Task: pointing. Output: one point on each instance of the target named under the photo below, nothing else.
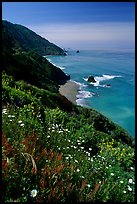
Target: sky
(77, 25)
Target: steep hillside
(25, 39)
(23, 64)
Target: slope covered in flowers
(52, 153)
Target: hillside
(20, 61)
(53, 150)
(25, 39)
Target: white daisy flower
(129, 188)
(33, 193)
(130, 181)
(124, 191)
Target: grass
(61, 156)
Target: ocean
(113, 94)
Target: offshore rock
(91, 79)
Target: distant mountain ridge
(27, 40)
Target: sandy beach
(69, 90)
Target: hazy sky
(77, 25)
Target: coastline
(70, 90)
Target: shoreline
(70, 91)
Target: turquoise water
(116, 69)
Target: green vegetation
(61, 154)
(27, 40)
(53, 150)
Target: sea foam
(55, 64)
(104, 77)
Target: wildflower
(121, 182)
(76, 161)
(82, 147)
(67, 157)
(129, 188)
(82, 177)
(78, 140)
(90, 149)
(88, 185)
(89, 154)
(112, 174)
(68, 140)
(75, 147)
(130, 181)
(131, 168)
(5, 112)
(99, 181)
(20, 121)
(11, 120)
(124, 191)
(56, 126)
(60, 131)
(79, 143)
(48, 136)
(67, 147)
(78, 170)
(91, 160)
(33, 193)
(22, 124)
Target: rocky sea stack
(91, 79)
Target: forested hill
(21, 57)
(26, 40)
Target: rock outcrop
(91, 79)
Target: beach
(70, 90)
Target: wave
(55, 64)
(84, 94)
(80, 84)
(104, 77)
